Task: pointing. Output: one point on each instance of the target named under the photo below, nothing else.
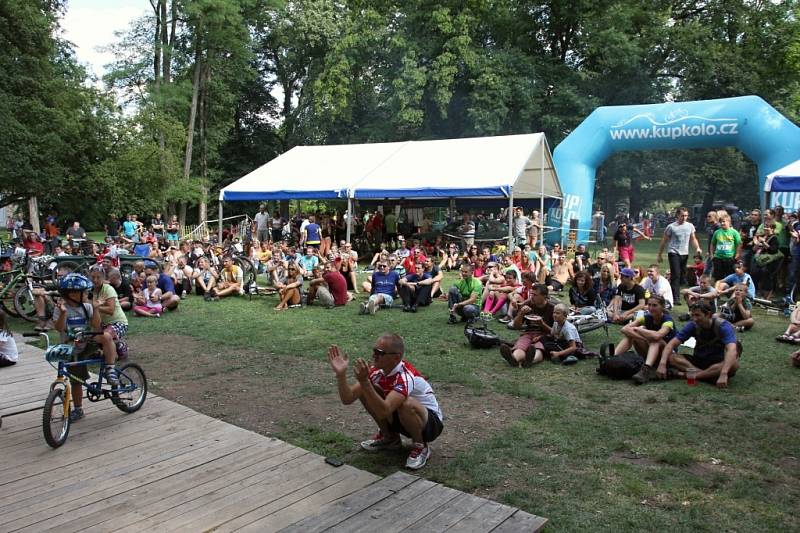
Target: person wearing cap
(628, 299)
(169, 300)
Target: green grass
(590, 454)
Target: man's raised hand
(338, 360)
(361, 371)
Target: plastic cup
(691, 377)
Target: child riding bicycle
(72, 315)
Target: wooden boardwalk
(169, 468)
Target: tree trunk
(187, 160)
(33, 213)
(202, 209)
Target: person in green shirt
(390, 221)
(464, 297)
(726, 247)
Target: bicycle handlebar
(32, 334)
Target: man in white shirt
(657, 284)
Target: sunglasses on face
(377, 352)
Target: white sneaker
(378, 442)
(363, 310)
(372, 307)
(418, 456)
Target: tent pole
(349, 217)
(220, 222)
(510, 219)
(541, 200)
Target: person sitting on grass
(318, 289)
(529, 348)
(560, 275)
(703, 292)
(647, 335)
(498, 295)
(123, 288)
(518, 297)
(413, 290)
(169, 299)
(655, 283)
(382, 288)
(436, 276)
(725, 286)
(204, 278)
(309, 261)
(290, 288)
(564, 339)
(464, 297)
(148, 303)
(792, 333)
(628, 299)
(737, 310)
(716, 353)
(582, 296)
(230, 280)
(395, 395)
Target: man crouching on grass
(395, 395)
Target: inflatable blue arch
(748, 123)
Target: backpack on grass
(622, 366)
(480, 336)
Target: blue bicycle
(128, 393)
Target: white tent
(509, 166)
(782, 187)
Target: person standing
(467, 231)
(521, 226)
(725, 248)
(261, 223)
(676, 239)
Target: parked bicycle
(128, 394)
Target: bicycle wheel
(589, 325)
(133, 385)
(7, 303)
(23, 304)
(65, 267)
(55, 418)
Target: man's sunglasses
(377, 352)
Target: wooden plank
(246, 498)
(109, 420)
(75, 475)
(521, 521)
(102, 507)
(114, 439)
(146, 513)
(291, 508)
(121, 480)
(445, 517)
(340, 511)
(485, 518)
(373, 517)
(403, 517)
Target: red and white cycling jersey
(406, 380)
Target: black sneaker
(413, 308)
(453, 319)
(406, 309)
(75, 414)
(506, 352)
